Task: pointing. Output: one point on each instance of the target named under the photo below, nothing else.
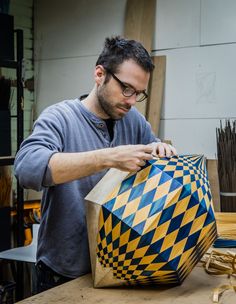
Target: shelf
(6, 160)
(9, 160)
(32, 204)
(9, 64)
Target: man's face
(110, 97)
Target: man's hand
(162, 149)
(66, 167)
(130, 157)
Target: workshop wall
(197, 36)
(69, 35)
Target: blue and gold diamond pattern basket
(155, 225)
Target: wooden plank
(197, 288)
(156, 92)
(214, 182)
(139, 21)
(226, 224)
(139, 25)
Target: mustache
(125, 106)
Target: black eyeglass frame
(125, 87)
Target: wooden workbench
(196, 289)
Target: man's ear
(99, 74)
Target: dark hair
(117, 50)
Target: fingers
(173, 150)
(167, 150)
(133, 157)
(130, 157)
(147, 149)
(140, 164)
(144, 155)
(163, 150)
(142, 152)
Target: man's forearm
(66, 167)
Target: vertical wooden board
(156, 92)
(139, 25)
(140, 20)
(214, 182)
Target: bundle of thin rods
(226, 153)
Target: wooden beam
(139, 21)
(139, 25)
(214, 182)
(156, 92)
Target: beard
(111, 107)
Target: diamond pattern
(156, 225)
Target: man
(72, 146)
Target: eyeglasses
(128, 91)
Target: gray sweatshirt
(69, 127)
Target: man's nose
(131, 100)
